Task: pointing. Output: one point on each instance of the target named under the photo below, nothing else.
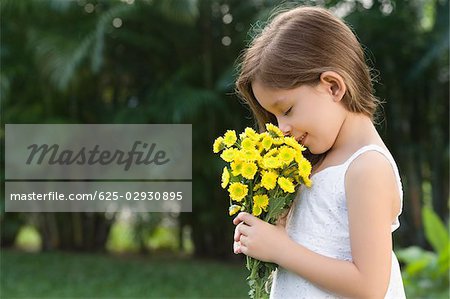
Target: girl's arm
(371, 195)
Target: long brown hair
(293, 49)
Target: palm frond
(433, 53)
(185, 11)
(59, 56)
(103, 23)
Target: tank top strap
(387, 154)
(371, 147)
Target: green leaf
(444, 261)
(276, 207)
(435, 231)
(413, 254)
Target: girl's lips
(302, 138)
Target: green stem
(259, 275)
(250, 199)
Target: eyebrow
(274, 105)
(278, 102)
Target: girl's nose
(285, 128)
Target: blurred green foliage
(90, 61)
(426, 274)
(28, 239)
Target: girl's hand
(259, 239)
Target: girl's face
(313, 115)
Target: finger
(240, 218)
(241, 229)
(244, 217)
(237, 220)
(237, 247)
(237, 233)
(243, 249)
(243, 240)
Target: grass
(78, 275)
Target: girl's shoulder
(372, 174)
(370, 158)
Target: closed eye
(287, 112)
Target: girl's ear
(334, 84)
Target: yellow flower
(225, 177)
(278, 140)
(273, 130)
(249, 132)
(272, 152)
(295, 178)
(249, 154)
(261, 163)
(286, 185)
(218, 145)
(237, 191)
(272, 162)
(266, 143)
(263, 135)
(286, 154)
(304, 168)
(256, 211)
(236, 167)
(269, 180)
(259, 147)
(292, 173)
(260, 202)
(248, 170)
(294, 144)
(233, 209)
(256, 187)
(229, 138)
(307, 181)
(229, 154)
(248, 144)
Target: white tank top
(319, 221)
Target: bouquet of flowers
(263, 173)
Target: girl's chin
(315, 150)
(312, 151)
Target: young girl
(306, 73)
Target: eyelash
(287, 112)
